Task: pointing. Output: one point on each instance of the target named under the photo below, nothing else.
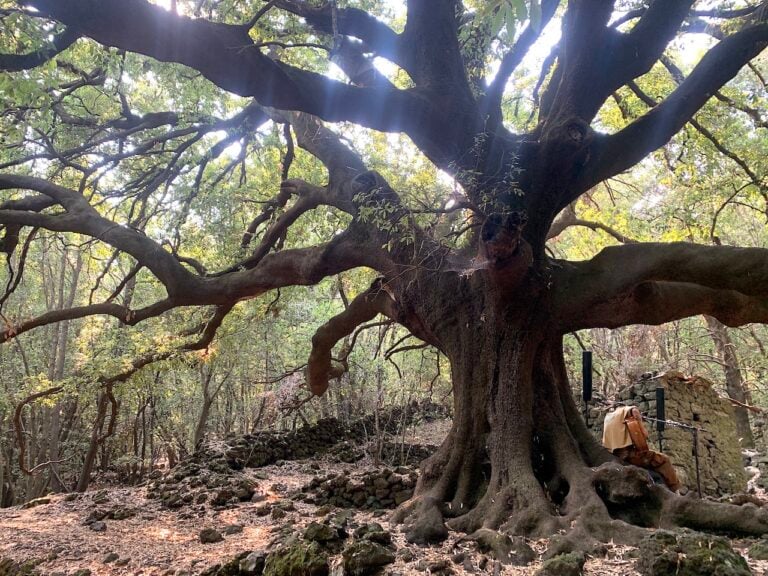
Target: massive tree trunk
(518, 456)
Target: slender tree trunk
(734, 381)
(93, 446)
(205, 410)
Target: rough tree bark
(518, 455)
(734, 381)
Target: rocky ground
(306, 517)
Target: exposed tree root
(611, 503)
(560, 483)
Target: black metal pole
(696, 459)
(586, 382)
(660, 416)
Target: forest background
(92, 394)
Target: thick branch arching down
(363, 308)
(653, 283)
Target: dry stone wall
(212, 475)
(758, 458)
(694, 402)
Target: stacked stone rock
(366, 490)
(264, 448)
(192, 484)
(759, 456)
(405, 454)
(207, 477)
(694, 402)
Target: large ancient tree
(494, 303)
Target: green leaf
(520, 9)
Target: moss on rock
(689, 553)
(297, 559)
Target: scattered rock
(120, 513)
(210, 536)
(406, 554)
(375, 533)
(759, 550)
(111, 557)
(570, 564)
(687, 553)
(229, 568)
(94, 515)
(37, 502)
(9, 567)
(440, 567)
(231, 529)
(98, 526)
(365, 557)
(100, 497)
(297, 559)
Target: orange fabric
(626, 437)
(651, 460)
(637, 432)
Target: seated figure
(625, 436)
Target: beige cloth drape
(615, 432)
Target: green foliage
(504, 16)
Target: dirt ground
(156, 541)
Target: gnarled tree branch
(59, 43)
(226, 55)
(365, 307)
(612, 154)
(670, 281)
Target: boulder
(570, 564)
(688, 553)
(365, 557)
(297, 558)
(316, 532)
(210, 536)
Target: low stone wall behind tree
(759, 458)
(690, 401)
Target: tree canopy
(198, 154)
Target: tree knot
(501, 234)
